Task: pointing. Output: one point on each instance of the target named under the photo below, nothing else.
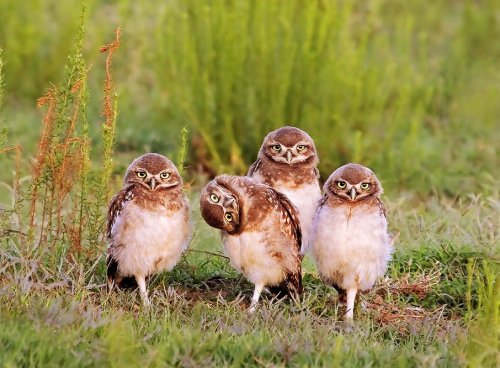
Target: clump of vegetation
(379, 83)
(369, 83)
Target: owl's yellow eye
(365, 186)
(228, 217)
(164, 175)
(301, 147)
(214, 197)
(276, 147)
(141, 174)
(341, 184)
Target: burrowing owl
(350, 242)
(148, 223)
(287, 161)
(260, 232)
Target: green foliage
(37, 36)
(63, 154)
(483, 347)
(382, 83)
(181, 157)
(63, 315)
(3, 124)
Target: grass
(359, 77)
(408, 88)
(427, 311)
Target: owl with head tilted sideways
(148, 223)
(350, 243)
(260, 232)
(287, 161)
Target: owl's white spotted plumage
(148, 223)
(350, 243)
(260, 231)
(287, 162)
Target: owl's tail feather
(128, 282)
(291, 286)
(114, 278)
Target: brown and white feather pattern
(116, 206)
(350, 244)
(265, 245)
(146, 233)
(148, 223)
(298, 178)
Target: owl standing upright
(350, 243)
(148, 223)
(260, 232)
(287, 162)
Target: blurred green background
(409, 88)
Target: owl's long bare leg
(351, 296)
(256, 297)
(141, 281)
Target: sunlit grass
(60, 313)
(409, 89)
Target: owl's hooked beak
(353, 193)
(289, 156)
(152, 183)
(228, 202)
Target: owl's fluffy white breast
(147, 241)
(248, 254)
(306, 198)
(351, 246)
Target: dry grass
(387, 309)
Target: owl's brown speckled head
(289, 146)
(153, 171)
(352, 183)
(220, 207)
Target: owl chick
(260, 232)
(287, 162)
(148, 223)
(350, 243)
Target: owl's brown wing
(114, 278)
(322, 201)
(383, 211)
(116, 206)
(317, 174)
(292, 284)
(290, 211)
(381, 207)
(254, 167)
